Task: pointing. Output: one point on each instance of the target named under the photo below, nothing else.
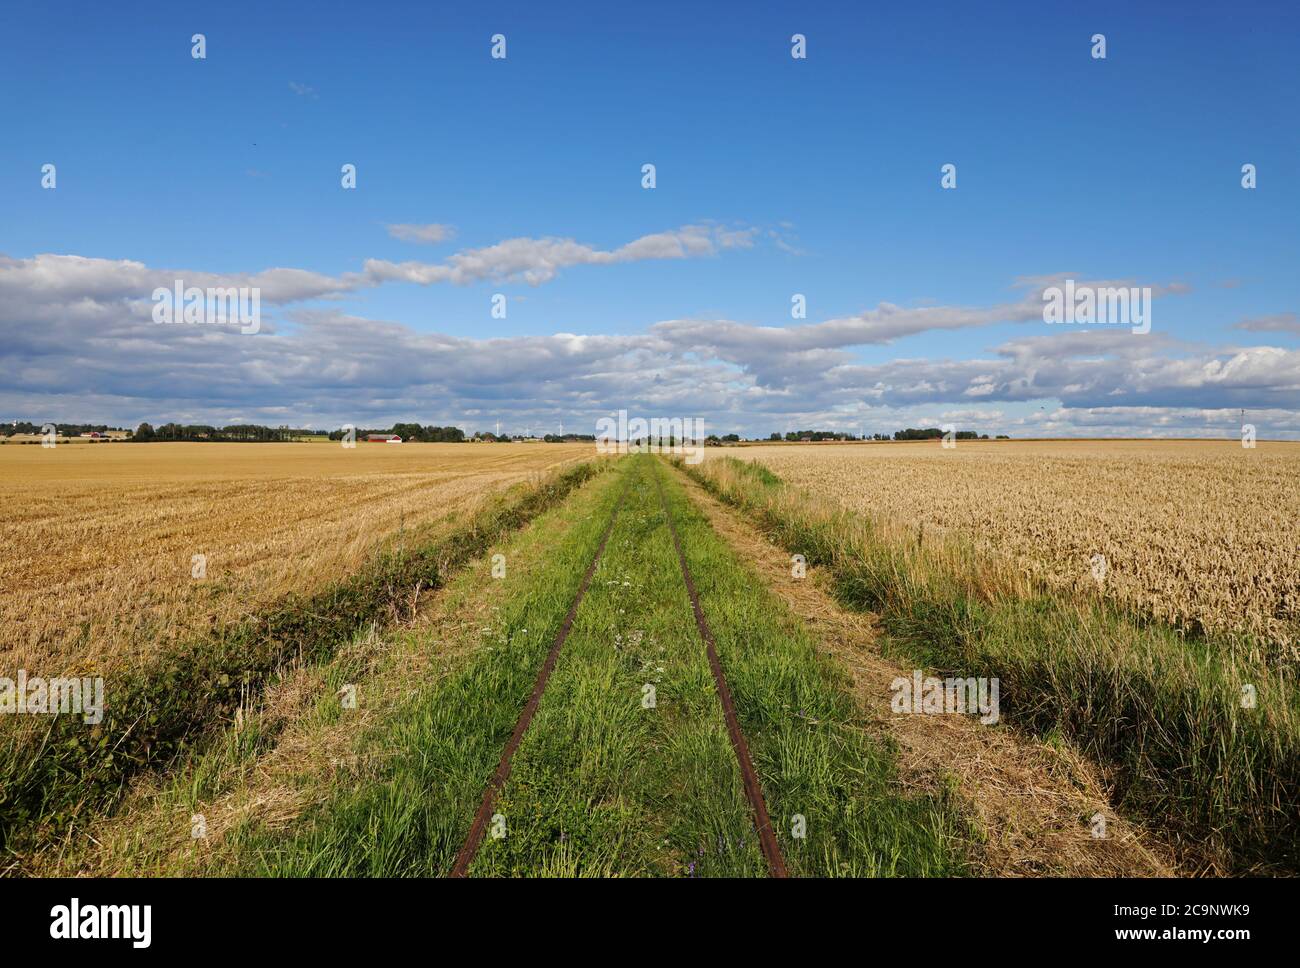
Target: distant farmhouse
(383, 439)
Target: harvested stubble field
(1204, 535)
(97, 543)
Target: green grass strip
(613, 779)
(441, 746)
(604, 783)
(816, 757)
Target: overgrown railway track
(753, 789)
(465, 857)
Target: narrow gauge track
(465, 857)
(753, 790)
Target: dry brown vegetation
(1202, 534)
(269, 785)
(1201, 738)
(1032, 800)
(96, 545)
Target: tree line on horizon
(911, 433)
(410, 431)
(63, 429)
(256, 433)
(233, 433)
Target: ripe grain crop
(1204, 535)
(97, 544)
(1201, 737)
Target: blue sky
(818, 176)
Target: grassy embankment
(1164, 710)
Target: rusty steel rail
(753, 790)
(468, 850)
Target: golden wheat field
(97, 543)
(1202, 534)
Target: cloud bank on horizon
(81, 333)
